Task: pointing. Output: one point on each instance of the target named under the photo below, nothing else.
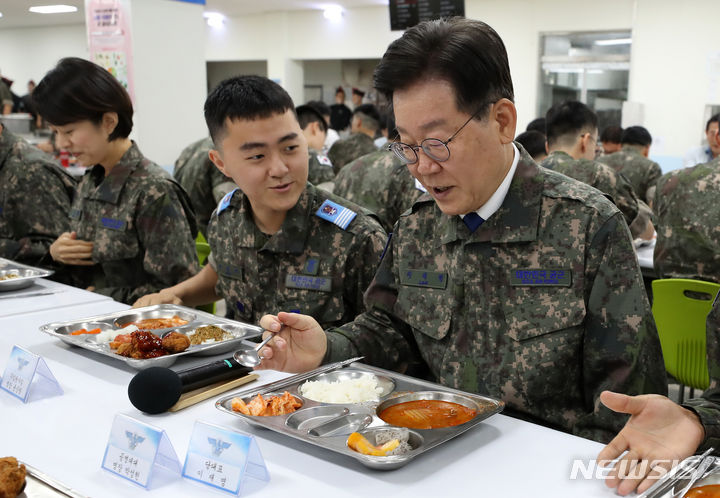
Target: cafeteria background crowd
(417, 227)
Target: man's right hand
(299, 344)
(162, 297)
(69, 250)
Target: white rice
(364, 388)
(108, 336)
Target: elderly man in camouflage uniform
(687, 205)
(280, 242)
(508, 279)
(35, 197)
(632, 161)
(380, 182)
(364, 125)
(203, 182)
(572, 139)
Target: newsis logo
(632, 469)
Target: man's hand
(165, 296)
(68, 250)
(659, 432)
(299, 344)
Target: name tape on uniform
(424, 278)
(541, 277)
(308, 282)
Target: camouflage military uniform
(642, 172)
(380, 182)
(687, 204)
(542, 306)
(320, 169)
(5, 96)
(310, 266)
(35, 197)
(203, 182)
(348, 149)
(607, 181)
(142, 226)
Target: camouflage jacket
(348, 149)
(687, 204)
(642, 172)
(543, 306)
(380, 182)
(607, 181)
(203, 182)
(142, 225)
(310, 266)
(320, 169)
(35, 197)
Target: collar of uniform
(111, 187)
(294, 230)
(7, 142)
(516, 220)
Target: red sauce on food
(709, 491)
(427, 414)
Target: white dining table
(65, 436)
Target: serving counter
(65, 435)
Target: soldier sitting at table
(277, 241)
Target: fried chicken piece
(12, 477)
(238, 405)
(175, 342)
(270, 407)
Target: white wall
(29, 53)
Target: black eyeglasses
(434, 148)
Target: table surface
(65, 436)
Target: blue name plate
(541, 277)
(21, 370)
(134, 449)
(223, 459)
(308, 282)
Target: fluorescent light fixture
(52, 9)
(214, 19)
(614, 41)
(0, 14)
(565, 70)
(333, 13)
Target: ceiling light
(52, 9)
(0, 14)
(614, 41)
(333, 13)
(214, 19)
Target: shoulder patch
(325, 160)
(335, 213)
(419, 186)
(225, 201)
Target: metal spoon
(251, 357)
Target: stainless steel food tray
(677, 478)
(113, 321)
(26, 275)
(328, 424)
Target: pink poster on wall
(110, 40)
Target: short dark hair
(467, 53)
(78, 90)
(715, 118)
(636, 135)
(369, 116)
(533, 141)
(568, 118)
(611, 135)
(357, 91)
(537, 124)
(245, 98)
(320, 107)
(307, 114)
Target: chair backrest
(680, 307)
(203, 251)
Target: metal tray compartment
(328, 424)
(26, 275)
(196, 318)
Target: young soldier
(277, 242)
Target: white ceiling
(15, 12)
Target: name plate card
(26, 371)
(135, 449)
(223, 458)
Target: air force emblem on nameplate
(335, 213)
(225, 201)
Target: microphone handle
(210, 373)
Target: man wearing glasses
(507, 279)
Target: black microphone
(157, 389)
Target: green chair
(203, 251)
(680, 307)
